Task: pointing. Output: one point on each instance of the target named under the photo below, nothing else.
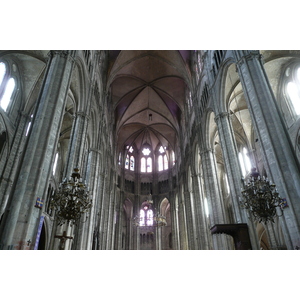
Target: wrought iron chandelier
(71, 200)
(157, 221)
(261, 197)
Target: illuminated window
(242, 164)
(146, 216)
(293, 89)
(244, 161)
(127, 162)
(7, 87)
(131, 163)
(146, 163)
(162, 160)
(130, 149)
(166, 165)
(146, 151)
(160, 163)
(149, 219)
(142, 217)
(149, 165)
(161, 150)
(2, 71)
(143, 164)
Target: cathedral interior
(150, 150)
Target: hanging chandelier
(158, 221)
(261, 197)
(149, 220)
(71, 200)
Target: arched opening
(42, 241)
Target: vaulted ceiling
(148, 91)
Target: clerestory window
(7, 86)
(130, 160)
(163, 163)
(244, 161)
(293, 88)
(146, 160)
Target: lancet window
(293, 88)
(146, 216)
(146, 160)
(163, 163)
(7, 87)
(244, 161)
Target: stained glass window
(246, 160)
(294, 96)
(149, 165)
(160, 163)
(131, 163)
(166, 166)
(143, 164)
(10, 86)
(242, 164)
(146, 216)
(2, 71)
(127, 162)
(161, 149)
(142, 217)
(173, 158)
(146, 151)
(130, 149)
(150, 217)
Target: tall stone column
(77, 143)
(10, 167)
(102, 183)
(278, 155)
(174, 221)
(119, 219)
(233, 171)
(190, 219)
(182, 226)
(21, 221)
(74, 159)
(202, 226)
(213, 195)
(105, 211)
(111, 215)
(136, 230)
(89, 226)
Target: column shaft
(278, 155)
(33, 175)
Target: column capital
(94, 150)
(26, 115)
(206, 150)
(63, 53)
(222, 115)
(82, 114)
(242, 56)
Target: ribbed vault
(148, 91)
